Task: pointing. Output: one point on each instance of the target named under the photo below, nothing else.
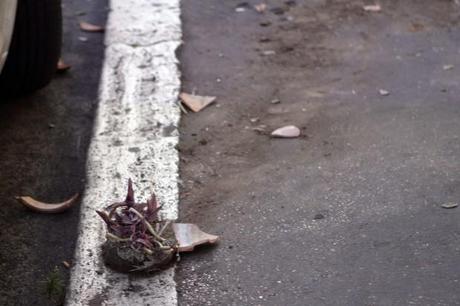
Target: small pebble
(264, 39)
(268, 52)
(277, 10)
(66, 264)
(319, 217)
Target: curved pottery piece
(189, 236)
(289, 131)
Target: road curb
(135, 136)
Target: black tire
(35, 47)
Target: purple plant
(136, 224)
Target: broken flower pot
(122, 257)
(139, 241)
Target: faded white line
(135, 136)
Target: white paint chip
(135, 136)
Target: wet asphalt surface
(350, 213)
(44, 140)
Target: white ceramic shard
(289, 131)
(189, 236)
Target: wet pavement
(350, 213)
(44, 140)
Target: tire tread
(35, 47)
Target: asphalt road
(350, 213)
(44, 140)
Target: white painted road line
(135, 137)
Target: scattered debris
(261, 7)
(243, 4)
(289, 131)
(278, 110)
(66, 264)
(241, 7)
(260, 129)
(265, 23)
(83, 38)
(254, 120)
(89, 27)
(275, 101)
(416, 27)
(449, 205)
(265, 39)
(318, 217)
(288, 18)
(189, 236)
(196, 103)
(46, 208)
(372, 8)
(448, 67)
(268, 52)
(51, 125)
(182, 108)
(62, 66)
(319, 94)
(384, 92)
(277, 10)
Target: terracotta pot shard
(189, 236)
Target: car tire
(35, 47)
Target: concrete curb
(135, 137)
